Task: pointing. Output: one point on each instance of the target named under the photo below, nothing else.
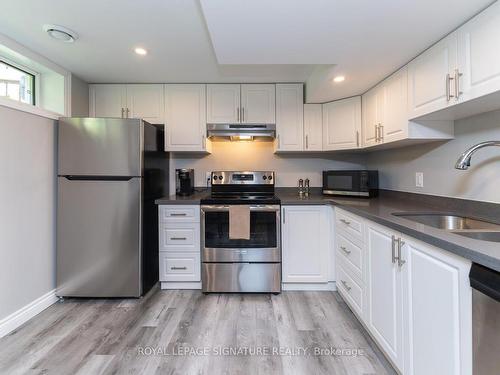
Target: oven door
(264, 242)
(345, 183)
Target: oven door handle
(255, 208)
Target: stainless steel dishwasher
(485, 319)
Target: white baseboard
(21, 316)
(329, 286)
(180, 285)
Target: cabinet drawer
(180, 214)
(180, 237)
(179, 266)
(350, 253)
(349, 224)
(349, 289)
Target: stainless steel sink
(483, 236)
(448, 221)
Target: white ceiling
(252, 41)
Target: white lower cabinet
(179, 256)
(414, 299)
(384, 316)
(306, 246)
(437, 302)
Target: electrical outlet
(419, 179)
(208, 179)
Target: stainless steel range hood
(241, 132)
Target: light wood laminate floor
(186, 332)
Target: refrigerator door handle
(98, 178)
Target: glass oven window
(262, 231)
(340, 182)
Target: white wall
(27, 214)
(436, 160)
(79, 97)
(259, 156)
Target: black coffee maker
(184, 181)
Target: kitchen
(299, 205)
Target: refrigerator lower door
(99, 238)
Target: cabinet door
(373, 111)
(479, 55)
(258, 104)
(185, 128)
(146, 102)
(306, 244)
(289, 117)
(384, 286)
(342, 124)
(395, 122)
(427, 82)
(313, 127)
(438, 311)
(223, 104)
(107, 100)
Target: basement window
(17, 83)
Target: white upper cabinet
(313, 127)
(258, 104)
(146, 102)
(342, 124)
(128, 101)
(373, 115)
(438, 311)
(431, 76)
(384, 286)
(289, 117)
(185, 111)
(107, 100)
(223, 104)
(395, 122)
(479, 54)
(306, 243)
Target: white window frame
(29, 71)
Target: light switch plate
(208, 179)
(419, 179)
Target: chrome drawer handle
(343, 248)
(346, 285)
(346, 222)
(178, 268)
(173, 214)
(178, 238)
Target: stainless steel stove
(239, 265)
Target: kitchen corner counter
(381, 209)
(190, 199)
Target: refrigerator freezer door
(99, 238)
(99, 147)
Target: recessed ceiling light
(60, 33)
(339, 79)
(141, 51)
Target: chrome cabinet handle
(284, 216)
(393, 248)
(123, 112)
(128, 111)
(242, 114)
(346, 222)
(357, 138)
(400, 245)
(181, 214)
(178, 238)
(344, 249)
(238, 113)
(346, 285)
(178, 268)
(307, 142)
(448, 91)
(381, 132)
(376, 133)
(279, 141)
(457, 84)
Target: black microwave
(361, 183)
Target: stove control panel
(243, 178)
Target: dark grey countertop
(381, 209)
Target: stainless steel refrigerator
(110, 171)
